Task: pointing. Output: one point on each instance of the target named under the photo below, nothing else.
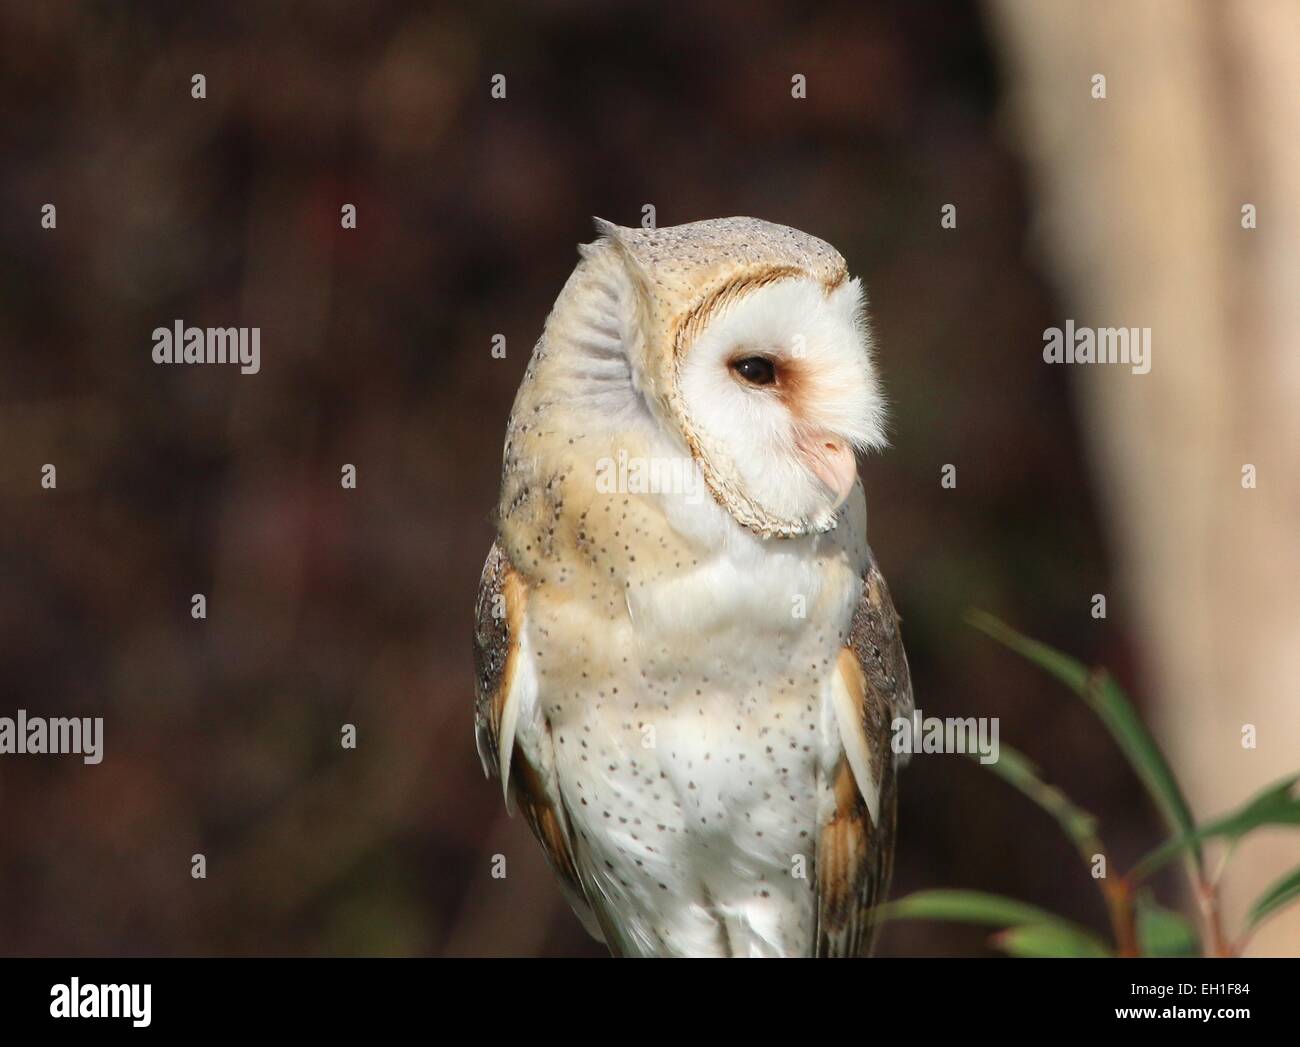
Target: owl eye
(756, 370)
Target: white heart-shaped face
(779, 391)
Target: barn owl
(687, 661)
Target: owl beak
(832, 462)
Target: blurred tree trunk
(1141, 200)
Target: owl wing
(514, 739)
(855, 845)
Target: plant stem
(1123, 918)
(1207, 895)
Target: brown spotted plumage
(498, 627)
(855, 853)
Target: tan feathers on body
(686, 685)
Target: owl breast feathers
(687, 660)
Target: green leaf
(1274, 806)
(1014, 767)
(997, 911)
(1276, 898)
(1054, 940)
(1108, 701)
(963, 907)
(1163, 932)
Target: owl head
(749, 342)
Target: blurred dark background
(328, 606)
